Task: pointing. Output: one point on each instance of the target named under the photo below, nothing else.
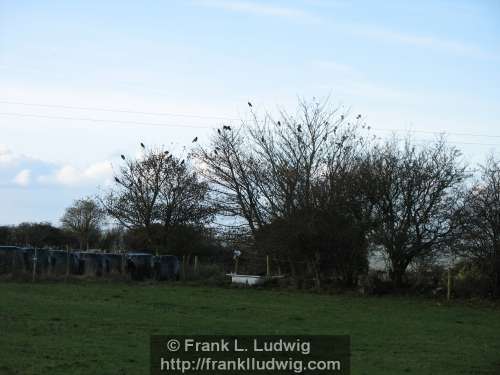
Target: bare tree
(414, 193)
(279, 172)
(480, 223)
(83, 218)
(266, 168)
(157, 189)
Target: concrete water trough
(113, 264)
(139, 265)
(10, 258)
(166, 267)
(62, 262)
(89, 263)
(250, 280)
(35, 258)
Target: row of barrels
(19, 261)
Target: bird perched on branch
(279, 123)
(166, 152)
(182, 162)
(195, 139)
(142, 145)
(218, 131)
(358, 117)
(299, 128)
(226, 127)
(250, 104)
(117, 180)
(123, 157)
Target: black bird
(279, 123)
(117, 180)
(182, 162)
(218, 131)
(226, 127)
(123, 157)
(142, 145)
(263, 140)
(215, 152)
(358, 117)
(250, 104)
(195, 139)
(166, 152)
(299, 129)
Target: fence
(42, 263)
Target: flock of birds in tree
(227, 127)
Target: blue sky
(425, 66)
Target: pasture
(104, 328)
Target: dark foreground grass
(98, 328)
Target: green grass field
(104, 328)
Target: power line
(157, 124)
(189, 115)
(452, 142)
(121, 111)
(437, 132)
(104, 121)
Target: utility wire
(436, 132)
(104, 121)
(189, 115)
(158, 124)
(121, 111)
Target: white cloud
(6, 156)
(69, 175)
(261, 9)
(23, 178)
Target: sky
(82, 82)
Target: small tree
(84, 219)
(480, 224)
(156, 191)
(414, 195)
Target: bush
(376, 283)
(471, 282)
(207, 274)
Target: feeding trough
(250, 279)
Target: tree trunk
(397, 273)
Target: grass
(104, 328)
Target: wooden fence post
(448, 289)
(183, 267)
(14, 265)
(35, 260)
(67, 263)
(268, 266)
